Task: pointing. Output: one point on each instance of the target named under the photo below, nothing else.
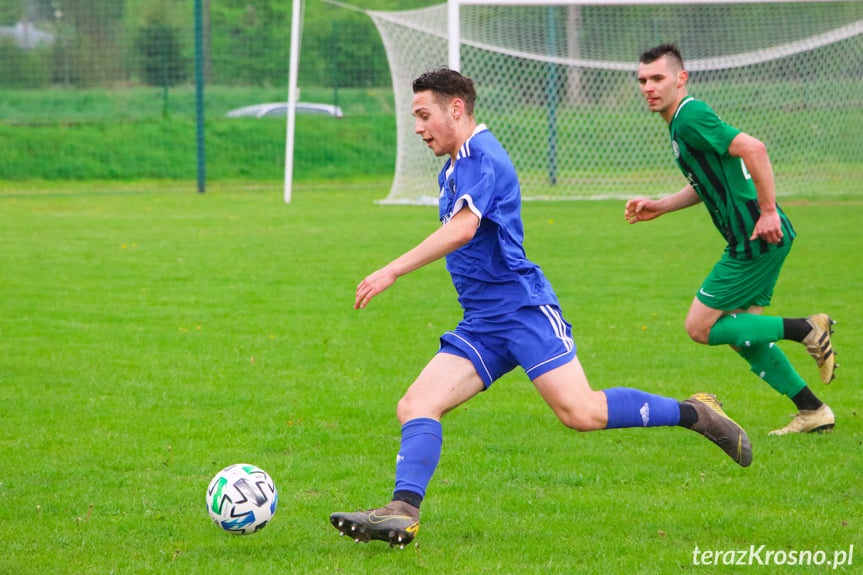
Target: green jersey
(700, 140)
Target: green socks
(746, 329)
(754, 336)
(770, 364)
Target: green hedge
(235, 148)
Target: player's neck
(668, 113)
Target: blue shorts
(536, 338)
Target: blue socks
(629, 407)
(422, 438)
(418, 457)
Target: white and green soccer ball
(242, 499)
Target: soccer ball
(241, 499)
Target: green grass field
(150, 336)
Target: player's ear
(682, 77)
(456, 108)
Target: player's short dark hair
(657, 52)
(447, 84)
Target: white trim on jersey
(683, 102)
(466, 199)
(464, 151)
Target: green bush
(159, 48)
(24, 68)
(240, 148)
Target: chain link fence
(105, 89)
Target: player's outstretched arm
(753, 152)
(451, 236)
(644, 209)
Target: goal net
(557, 85)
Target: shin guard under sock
(629, 407)
(746, 329)
(419, 454)
(770, 364)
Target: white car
(281, 108)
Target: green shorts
(740, 284)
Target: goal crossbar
(731, 61)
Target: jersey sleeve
(475, 181)
(701, 128)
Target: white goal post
(556, 84)
(291, 114)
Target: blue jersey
(491, 274)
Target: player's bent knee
(580, 420)
(403, 410)
(698, 333)
(410, 408)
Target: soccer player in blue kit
(511, 317)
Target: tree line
(88, 43)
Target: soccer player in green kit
(730, 172)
